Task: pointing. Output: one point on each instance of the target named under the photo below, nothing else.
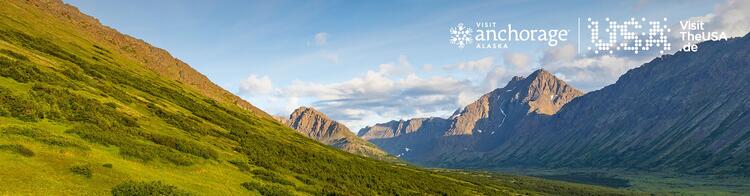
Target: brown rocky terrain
(316, 125)
(539, 93)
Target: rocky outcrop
(316, 125)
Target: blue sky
(364, 62)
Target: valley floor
(642, 181)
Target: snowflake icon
(461, 35)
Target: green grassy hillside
(82, 116)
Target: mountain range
(479, 127)
(686, 112)
(86, 110)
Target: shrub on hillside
(181, 145)
(42, 136)
(18, 149)
(24, 71)
(82, 170)
(129, 145)
(132, 188)
(15, 55)
(305, 180)
(270, 176)
(241, 165)
(20, 105)
(267, 189)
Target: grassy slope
(70, 105)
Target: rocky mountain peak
(513, 81)
(478, 127)
(540, 93)
(316, 125)
(306, 111)
(541, 72)
(545, 93)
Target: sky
(367, 62)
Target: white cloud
(391, 91)
(732, 17)
(427, 67)
(563, 53)
(291, 104)
(363, 100)
(497, 77)
(588, 73)
(403, 67)
(321, 38)
(480, 65)
(596, 71)
(395, 91)
(500, 75)
(255, 85)
(517, 59)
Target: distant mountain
(478, 127)
(688, 112)
(406, 139)
(316, 125)
(541, 93)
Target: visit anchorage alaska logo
(488, 35)
(460, 35)
(634, 35)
